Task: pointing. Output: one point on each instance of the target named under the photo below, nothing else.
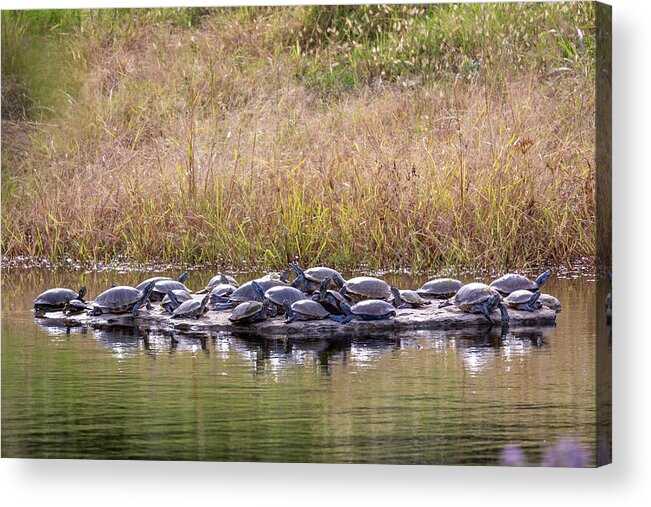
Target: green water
(424, 397)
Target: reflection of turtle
(440, 288)
(369, 309)
(191, 309)
(53, 300)
(249, 311)
(121, 299)
(524, 300)
(310, 280)
(304, 309)
(478, 298)
(512, 282)
(365, 287)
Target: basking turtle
(162, 287)
(121, 299)
(369, 309)
(309, 281)
(365, 287)
(277, 295)
(173, 299)
(75, 306)
(182, 279)
(220, 293)
(306, 309)
(512, 282)
(249, 311)
(330, 299)
(246, 292)
(409, 299)
(478, 298)
(550, 302)
(440, 288)
(524, 300)
(53, 300)
(220, 279)
(191, 309)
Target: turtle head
(82, 293)
(173, 298)
(148, 288)
(284, 275)
(323, 288)
(397, 300)
(338, 280)
(534, 298)
(346, 308)
(543, 278)
(294, 265)
(184, 276)
(259, 290)
(204, 303)
(222, 279)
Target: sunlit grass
(249, 137)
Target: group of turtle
(315, 293)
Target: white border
(626, 482)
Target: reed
(253, 136)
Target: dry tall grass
(210, 144)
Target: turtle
(249, 311)
(162, 287)
(478, 297)
(440, 288)
(74, 306)
(220, 279)
(277, 295)
(409, 299)
(369, 309)
(309, 281)
(173, 299)
(191, 309)
(184, 276)
(365, 287)
(246, 292)
(220, 293)
(550, 302)
(306, 309)
(524, 300)
(330, 299)
(53, 300)
(121, 299)
(513, 281)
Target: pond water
(418, 397)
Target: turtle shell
(279, 294)
(310, 309)
(55, 297)
(191, 308)
(440, 287)
(223, 290)
(217, 280)
(117, 299)
(162, 286)
(181, 295)
(472, 294)
(247, 310)
(413, 298)
(512, 282)
(368, 287)
(143, 284)
(319, 273)
(550, 302)
(247, 292)
(374, 308)
(520, 297)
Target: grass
(388, 137)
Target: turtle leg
(484, 310)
